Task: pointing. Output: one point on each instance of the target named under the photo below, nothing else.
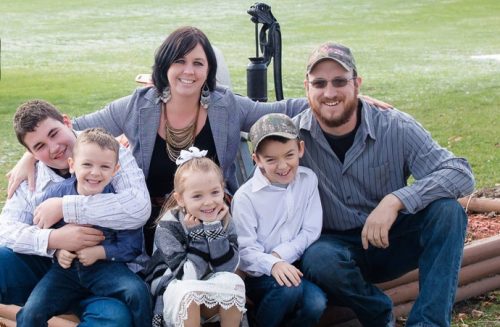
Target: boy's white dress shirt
(271, 218)
(128, 208)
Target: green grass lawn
(415, 55)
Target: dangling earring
(165, 95)
(205, 96)
(183, 210)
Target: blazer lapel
(219, 124)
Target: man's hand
(286, 274)
(48, 212)
(72, 237)
(379, 222)
(24, 169)
(376, 102)
(65, 258)
(91, 254)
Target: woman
(183, 108)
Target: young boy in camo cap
(278, 214)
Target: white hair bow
(191, 153)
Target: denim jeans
(300, 306)
(431, 240)
(19, 273)
(60, 288)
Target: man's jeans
(19, 273)
(431, 240)
(299, 306)
(60, 287)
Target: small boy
(96, 270)
(278, 214)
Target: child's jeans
(298, 306)
(19, 274)
(60, 288)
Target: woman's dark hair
(177, 45)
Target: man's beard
(349, 113)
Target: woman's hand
(24, 169)
(376, 102)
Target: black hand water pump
(269, 39)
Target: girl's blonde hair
(204, 165)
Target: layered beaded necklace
(178, 139)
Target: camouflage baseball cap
(333, 51)
(272, 124)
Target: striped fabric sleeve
(17, 231)
(437, 172)
(129, 208)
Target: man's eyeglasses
(320, 83)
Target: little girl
(195, 250)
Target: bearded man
(376, 226)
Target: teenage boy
(376, 226)
(26, 246)
(278, 214)
(95, 270)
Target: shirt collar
(259, 181)
(366, 125)
(45, 176)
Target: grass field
(415, 55)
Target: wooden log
(7, 323)
(463, 292)
(479, 270)
(468, 274)
(481, 249)
(480, 204)
(403, 293)
(478, 250)
(8, 312)
(405, 279)
(477, 288)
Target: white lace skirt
(223, 288)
